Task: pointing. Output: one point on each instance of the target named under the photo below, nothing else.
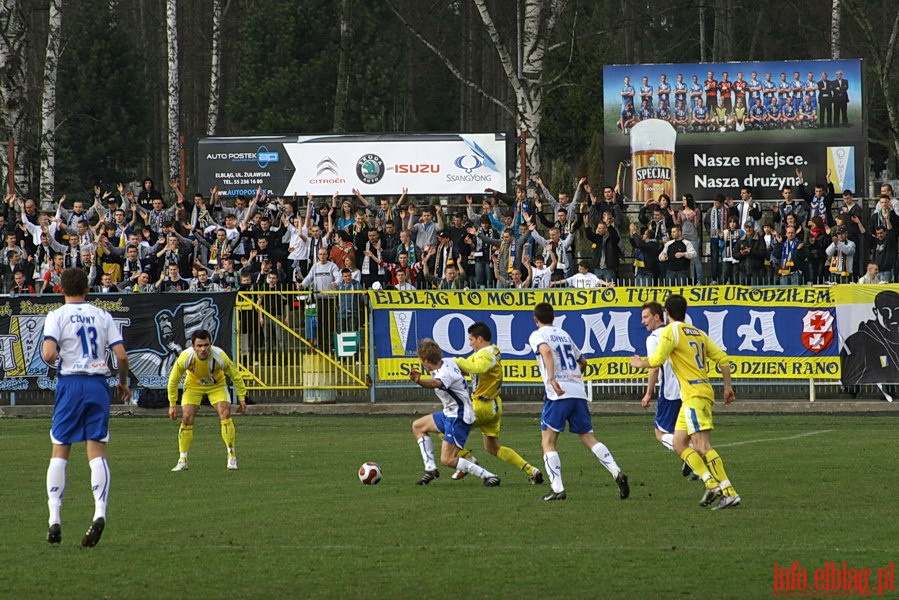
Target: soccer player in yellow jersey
(207, 367)
(689, 351)
(486, 372)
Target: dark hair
(481, 330)
(200, 334)
(748, 189)
(544, 313)
(654, 308)
(74, 282)
(676, 306)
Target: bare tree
(883, 54)
(345, 20)
(48, 106)
(215, 68)
(13, 113)
(174, 89)
(835, 15)
(527, 80)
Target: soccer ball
(370, 473)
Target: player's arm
(174, 379)
(240, 385)
(478, 363)
(661, 354)
(50, 351)
(431, 383)
(716, 354)
(650, 387)
(549, 366)
(122, 359)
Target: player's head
(479, 335)
(544, 314)
(430, 354)
(676, 307)
(201, 341)
(74, 282)
(652, 316)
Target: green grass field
(294, 521)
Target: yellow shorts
(488, 415)
(695, 415)
(194, 394)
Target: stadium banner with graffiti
(781, 333)
(155, 329)
(729, 149)
(868, 326)
(433, 163)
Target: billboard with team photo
(376, 165)
(711, 128)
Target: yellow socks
(185, 438)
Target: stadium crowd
(134, 242)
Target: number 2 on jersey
(699, 354)
(88, 337)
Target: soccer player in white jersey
(454, 421)
(77, 335)
(565, 401)
(669, 401)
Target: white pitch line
(779, 439)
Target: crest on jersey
(817, 330)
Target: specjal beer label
(652, 159)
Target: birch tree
(528, 82)
(174, 105)
(215, 68)
(13, 114)
(48, 106)
(883, 55)
(344, 18)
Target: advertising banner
(376, 165)
(788, 333)
(154, 333)
(692, 128)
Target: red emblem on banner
(817, 330)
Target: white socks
(606, 458)
(427, 452)
(668, 441)
(554, 470)
(100, 485)
(56, 486)
(469, 467)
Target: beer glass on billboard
(652, 159)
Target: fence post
(371, 355)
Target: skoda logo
(370, 168)
(468, 162)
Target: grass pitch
(294, 521)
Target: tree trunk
(174, 107)
(540, 19)
(48, 106)
(215, 68)
(344, 17)
(883, 53)
(13, 116)
(835, 30)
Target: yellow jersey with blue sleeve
(204, 377)
(690, 350)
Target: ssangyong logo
(370, 169)
(468, 162)
(264, 157)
